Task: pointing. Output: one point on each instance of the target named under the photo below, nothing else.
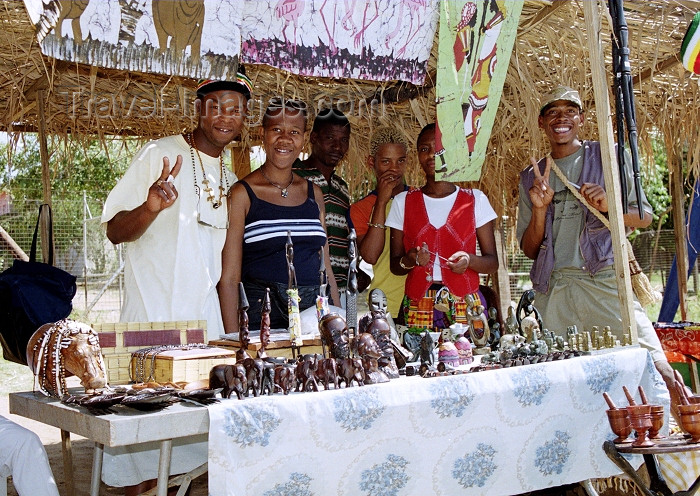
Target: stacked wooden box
(119, 341)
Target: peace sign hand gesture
(162, 193)
(541, 193)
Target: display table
(504, 431)
(126, 428)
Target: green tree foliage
(91, 168)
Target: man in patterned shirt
(330, 140)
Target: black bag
(32, 294)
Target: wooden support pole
(502, 280)
(240, 157)
(46, 242)
(610, 173)
(679, 234)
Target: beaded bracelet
(380, 226)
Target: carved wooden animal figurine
(327, 372)
(285, 376)
(334, 336)
(62, 349)
(268, 379)
(351, 369)
(254, 372)
(232, 378)
(305, 373)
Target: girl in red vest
(434, 232)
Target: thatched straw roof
(550, 49)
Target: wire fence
(83, 249)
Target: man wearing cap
(170, 210)
(330, 140)
(573, 271)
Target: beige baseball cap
(561, 93)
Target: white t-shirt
(438, 210)
(172, 270)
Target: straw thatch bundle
(550, 49)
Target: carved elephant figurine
(254, 372)
(285, 377)
(306, 373)
(268, 378)
(350, 369)
(229, 377)
(327, 372)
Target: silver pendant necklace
(284, 191)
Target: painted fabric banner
(191, 38)
(475, 42)
(378, 40)
(362, 39)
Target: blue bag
(32, 294)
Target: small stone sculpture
(479, 331)
(526, 308)
(426, 349)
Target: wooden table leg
(97, 456)
(657, 481)
(67, 451)
(164, 466)
(619, 460)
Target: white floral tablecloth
(504, 431)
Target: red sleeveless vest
(458, 233)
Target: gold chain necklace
(205, 182)
(283, 190)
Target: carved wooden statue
(265, 324)
(334, 336)
(369, 352)
(377, 325)
(243, 333)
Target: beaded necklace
(205, 182)
(139, 357)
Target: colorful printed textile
(679, 339)
(204, 39)
(337, 201)
(508, 431)
(475, 42)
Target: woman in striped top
(263, 207)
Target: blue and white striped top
(265, 237)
